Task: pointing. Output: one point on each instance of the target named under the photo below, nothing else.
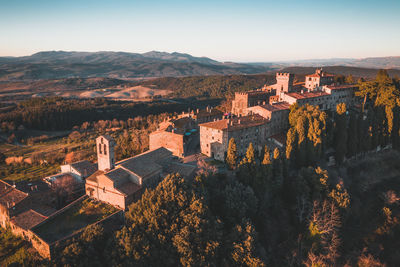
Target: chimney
(302, 91)
(239, 121)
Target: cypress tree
(231, 156)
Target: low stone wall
(111, 223)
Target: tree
(231, 156)
(349, 79)
(291, 144)
(249, 158)
(340, 132)
(324, 233)
(244, 252)
(169, 225)
(267, 157)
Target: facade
(215, 136)
(12, 202)
(243, 100)
(174, 142)
(272, 104)
(276, 113)
(81, 169)
(318, 79)
(125, 183)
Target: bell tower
(105, 152)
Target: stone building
(208, 114)
(173, 135)
(12, 202)
(316, 98)
(215, 136)
(243, 100)
(80, 169)
(125, 182)
(319, 78)
(276, 113)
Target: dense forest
(210, 86)
(56, 113)
(276, 208)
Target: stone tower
(284, 82)
(105, 152)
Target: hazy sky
(223, 30)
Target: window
(99, 148)
(104, 189)
(105, 149)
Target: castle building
(272, 105)
(215, 136)
(243, 100)
(277, 114)
(319, 78)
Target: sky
(241, 31)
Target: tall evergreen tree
(340, 132)
(231, 156)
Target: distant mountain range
(370, 62)
(61, 64)
(122, 65)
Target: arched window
(99, 148)
(105, 149)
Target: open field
(73, 219)
(42, 159)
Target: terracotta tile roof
(213, 112)
(237, 123)
(322, 74)
(281, 138)
(182, 122)
(28, 219)
(118, 176)
(341, 87)
(276, 106)
(9, 195)
(128, 188)
(30, 187)
(93, 177)
(84, 167)
(147, 162)
(307, 95)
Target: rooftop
(147, 162)
(235, 124)
(84, 167)
(28, 219)
(211, 112)
(306, 95)
(276, 106)
(341, 87)
(9, 195)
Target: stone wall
(171, 141)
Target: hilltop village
(108, 186)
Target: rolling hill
(61, 64)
